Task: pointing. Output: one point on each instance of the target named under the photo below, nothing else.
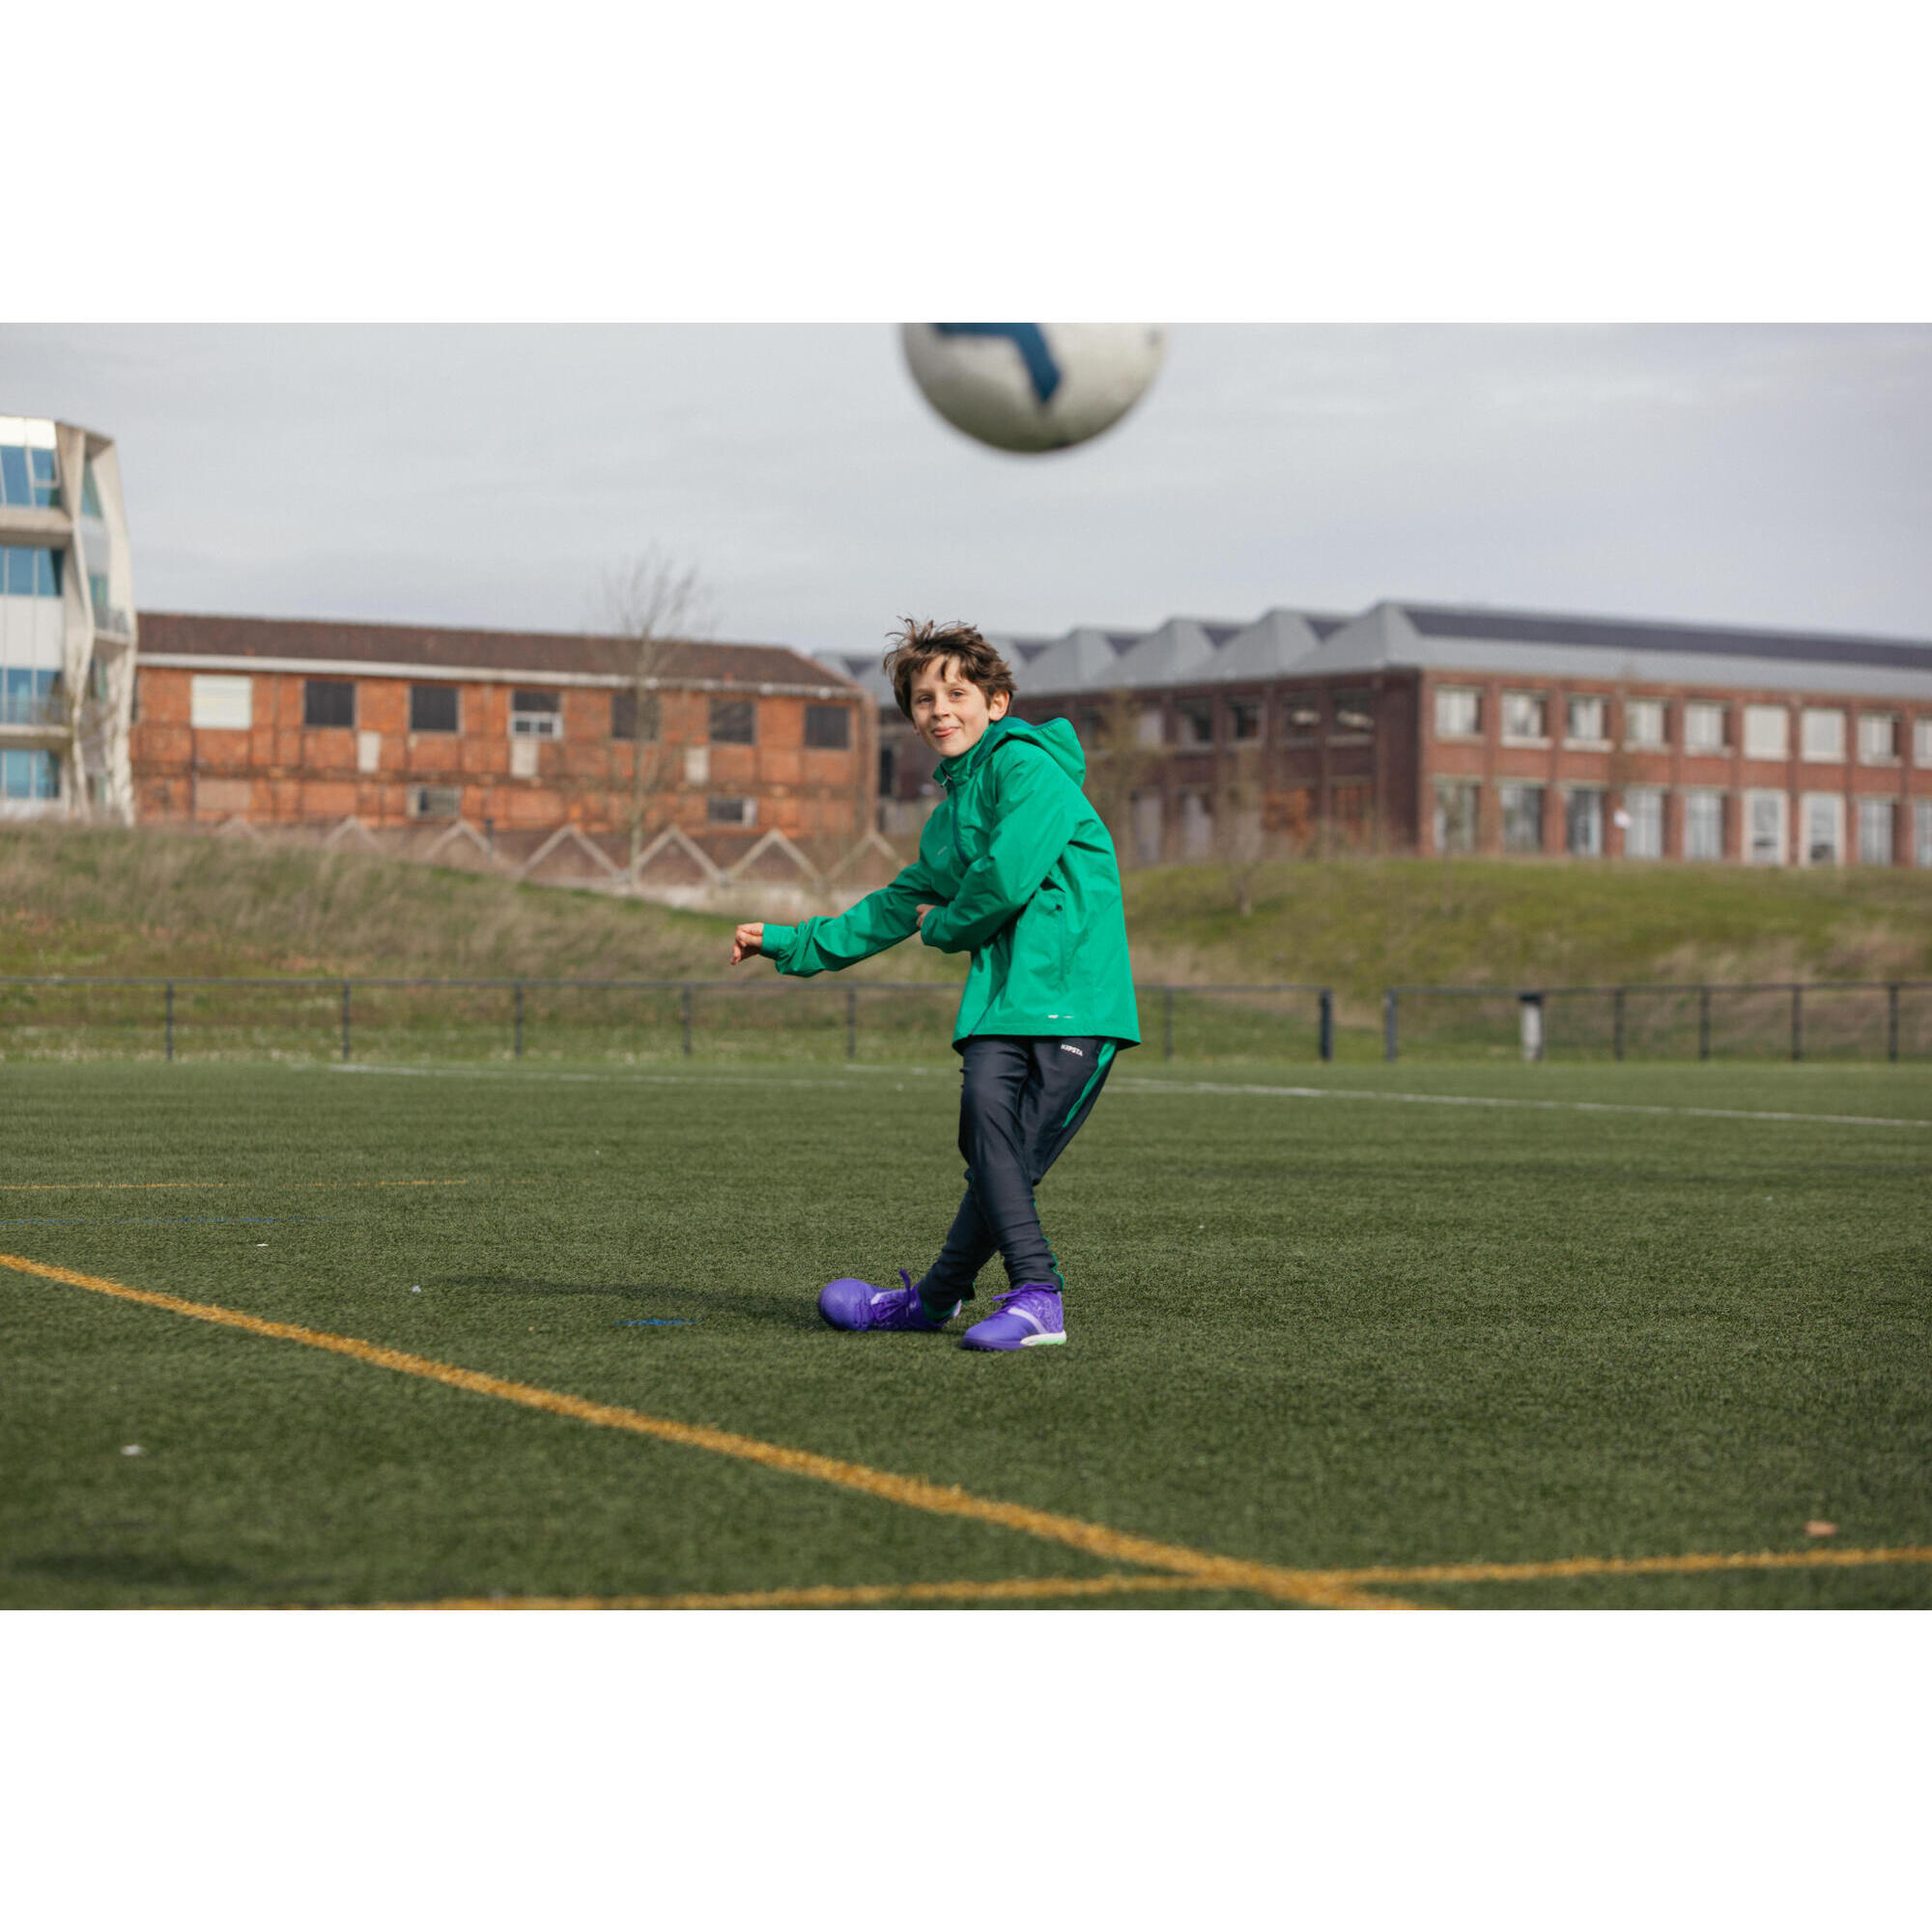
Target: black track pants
(1021, 1102)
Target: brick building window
(828, 728)
(1922, 741)
(1585, 721)
(1767, 731)
(536, 714)
(1583, 824)
(1247, 721)
(1704, 727)
(733, 720)
(1522, 817)
(1354, 714)
(624, 716)
(1459, 713)
(1821, 737)
(219, 704)
(1456, 801)
(433, 707)
(1644, 723)
(1704, 825)
(1195, 720)
(1301, 718)
(1643, 835)
(1922, 832)
(731, 810)
(1526, 718)
(435, 801)
(329, 704)
(1878, 739)
(1874, 832)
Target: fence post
(851, 1022)
(345, 1019)
(1327, 1039)
(1617, 1045)
(686, 990)
(1166, 1023)
(171, 1021)
(1388, 1024)
(1892, 1021)
(1703, 1023)
(518, 1051)
(1798, 1022)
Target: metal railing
(1215, 1016)
(1603, 1018)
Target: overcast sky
(1771, 476)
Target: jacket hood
(1057, 738)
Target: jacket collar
(954, 772)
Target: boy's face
(948, 711)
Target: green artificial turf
(1313, 1331)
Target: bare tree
(1243, 845)
(1118, 763)
(653, 604)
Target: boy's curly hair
(916, 645)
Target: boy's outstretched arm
(820, 945)
(1039, 807)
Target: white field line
(1130, 1083)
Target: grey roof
(1455, 638)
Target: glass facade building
(67, 626)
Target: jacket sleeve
(1038, 808)
(879, 920)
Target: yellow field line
(911, 1491)
(1695, 1563)
(828, 1596)
(78, 1186)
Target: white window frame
(1780, 801)
(1439, 817)
(1598, 740)
(1695, 796)
(1876, 812)
(1867, 720)
(1757, 721)
(1815, 731)
(1922, 832)
(1460, 691)
(1540, 699)
(1635, 706)
(1922, 742)
(1503, 788)
(536, 724)
(217, 702)
(1702, 708)
(1649, 798)
(1830, 806)
(1571, 792)
(1150, 727)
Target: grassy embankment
(117, 903)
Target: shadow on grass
(100, 1566)
(777, 1308)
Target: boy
(1014, 866)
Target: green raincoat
(1021, 874)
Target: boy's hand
(921, 920)
(746, 941)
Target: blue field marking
(1029, 338)
(654, 1321)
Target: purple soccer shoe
(846, 1303)
(1030, 1318)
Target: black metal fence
(68, 1016)
(1865, 1019)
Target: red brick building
(291, 723)
(1430, 729)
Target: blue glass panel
(20, 573)
(15, 775)
(46, 479)
(90, 497)
(46, 574)
(47, 777)
(13, 476)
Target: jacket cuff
(777, 940)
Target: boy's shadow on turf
(779, 1309)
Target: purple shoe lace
(909, 1309)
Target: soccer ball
(1033, 385)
